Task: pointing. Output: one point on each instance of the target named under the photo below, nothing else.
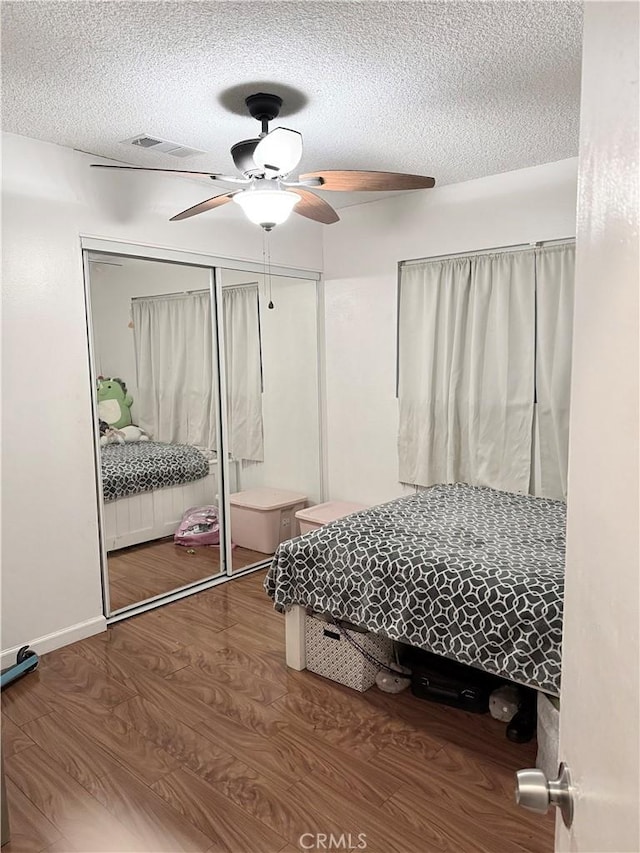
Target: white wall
(361, 254)
(50, 576)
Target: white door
(600, 708)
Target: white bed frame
(153, 515)
(295, 643)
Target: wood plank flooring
(182, 729)
(154, 568)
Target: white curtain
(244, 371)
(555, 273)
(174, 345)
(466, 371)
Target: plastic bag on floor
(199, 526)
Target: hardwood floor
(155, 568)
(182, 729)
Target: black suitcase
(438, 679)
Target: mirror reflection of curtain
(240, 310)
(173, 347)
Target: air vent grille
(146, 142)
(162, 146)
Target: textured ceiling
(453, 90)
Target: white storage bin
(333, 656)
(317, 516)
(263, 518)
(547, 734)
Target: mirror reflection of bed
(154, 353)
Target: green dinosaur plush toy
(114, 404)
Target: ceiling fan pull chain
(266, 236)
(264, 258)
(266, 266)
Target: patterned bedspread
(128, 469)
(469, 573)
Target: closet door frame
(213, 263)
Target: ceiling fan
(268, 194)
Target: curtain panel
(555, 275)
(478, 338)
(466, 371)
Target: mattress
(470, 573)
(128, 469)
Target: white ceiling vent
(162, 146)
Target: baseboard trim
(50, 642)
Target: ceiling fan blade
(146, 169)
(352, 181)
(279, 152)
(314, 207)
(209, 204)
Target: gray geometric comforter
(128, 469)
(470, 573)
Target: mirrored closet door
(207, 419)
(270, 381)
(157, 409)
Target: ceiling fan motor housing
(263, 106)
(242, 153)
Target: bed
(470, 573)
(147, 486)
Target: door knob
(536, 793)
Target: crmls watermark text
(323, 841)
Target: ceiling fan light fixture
(267, 207)
(279, 152)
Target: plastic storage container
(263, 518)
(321, 514)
